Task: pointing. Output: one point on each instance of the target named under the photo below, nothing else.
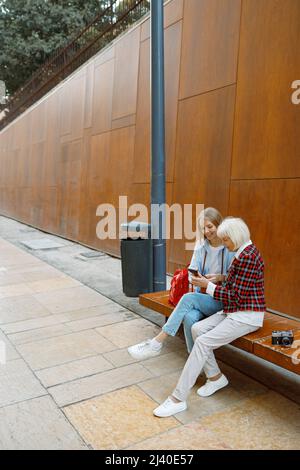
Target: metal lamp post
(158, 191)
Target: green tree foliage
(30, 30)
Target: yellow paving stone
(159, 388)
(118, 419)
(192, 436)
(268, 421)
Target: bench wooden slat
(157, 301)
(258, 343)
(278, 355)
(271, 322)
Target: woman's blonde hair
(210, 213)
(236, 229)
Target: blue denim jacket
(202, 252)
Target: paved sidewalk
(69, 382)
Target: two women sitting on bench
(211, 259)
(241, 312)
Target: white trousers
(208, 334)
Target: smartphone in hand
(194, 272)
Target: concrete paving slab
(41, 244)
(78, 366)
(18, 383)
(49, 285)
(101, 320)
(55, 351)
(23, 307)
(39, 334)
(73, 370)
(33, 323)
(126, 334)
(10, 351)
(67, 299)
(98, 384)
(121, 357)
(161, 365)
(37, 425)
(14, 290)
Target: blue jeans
(191, 308)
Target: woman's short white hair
(235, 229)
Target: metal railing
(107, 25)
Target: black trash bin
(137, 259)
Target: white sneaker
(169, 408)
(212, 386)
(143, 350)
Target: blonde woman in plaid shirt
(243, 300)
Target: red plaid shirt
(244, 285)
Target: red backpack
(179, 286)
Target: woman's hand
(199, 281)
(215, 278)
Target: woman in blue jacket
(212, 260)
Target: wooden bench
(258, 343)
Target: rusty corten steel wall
(232, 133)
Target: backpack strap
(222, 267)
(204, 261)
